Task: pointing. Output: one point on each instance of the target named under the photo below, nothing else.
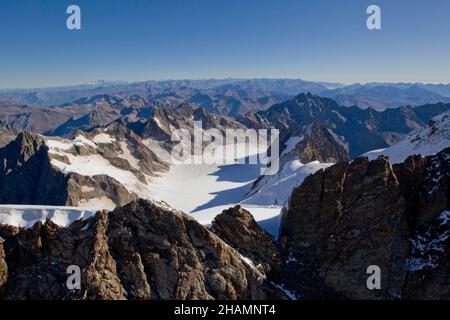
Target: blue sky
(321, 40)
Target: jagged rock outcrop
(140, 251)
(3, 266)
(342, 220)
(238, 227)
(345, 218)
(319, 144)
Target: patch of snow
(278, 188)
(157, 148)
(103, 203)
(87, 189)
(427, 248)
(244, 259)
(291, 258)
(103, 138)
(82, 140)
(290, 294)
(444, 217)
(158, 123)
(95, 164)
(205, 190)
(58, 144)
(26, 216)
(85, 227)
(290, 144)
(248, 262)
(126, 154)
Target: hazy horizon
(320, 41)
(118, 81)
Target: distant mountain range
(238, 96)
(362, 129)
(380, 97)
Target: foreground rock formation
(139, 251)
(348, 217)
(3, 265)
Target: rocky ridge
(101, 169)
(363, 130)
(143, 250)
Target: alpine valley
(87, 179)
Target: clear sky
(320, 40)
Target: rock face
(320, 144)
(26, 176)
(7, 133)
(426, 188)
(238, 227)
(345, 218)
(140, 251)
(3, 266)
